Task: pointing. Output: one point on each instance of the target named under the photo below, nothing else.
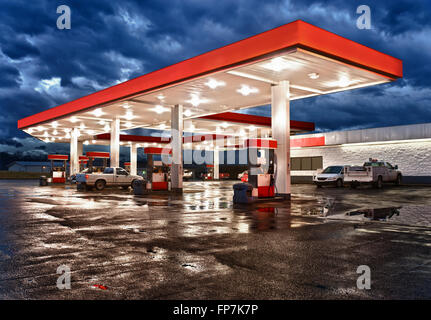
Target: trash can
(43, 181)
(139, 187)
(242, 193)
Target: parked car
(372, 172)
(332, 175)
(224, 175)
(110, 177)
(188, 174)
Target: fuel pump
(260, 158)
(127, 166)
(58, 173)
(261, 170)
(157, 171)
(83, 162)
(93, 155)
(209, 172)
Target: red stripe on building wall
(307, 142)
(260, 143)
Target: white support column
(177, 148)
(80, 148)
(74, 156)
(115, 143)
(133, 159)
(216, 162)
(280, 113)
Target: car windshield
(333, 169)
(109, 170)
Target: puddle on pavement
(376, 214)
(407, 215)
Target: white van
(332, 175)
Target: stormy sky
(113, 41)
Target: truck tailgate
(357, 173)
(80, 178)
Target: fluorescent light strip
(250, 76)
(294, 86)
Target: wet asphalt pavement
(199, 246)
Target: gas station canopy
(237, 76)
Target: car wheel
(133, 184)
(100, 185)
(379, 182)
(399, 179)
(339, 183)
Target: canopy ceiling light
(195, 100)
(98, 112)
(279, 64)
(245, 90)
(213, 83)
(159, 109)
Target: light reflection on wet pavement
(200, 245)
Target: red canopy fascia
(57, 157)
(297, 34)
(257, 120)
(134, 138)
(96, 154)
(154, 150)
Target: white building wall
(412, 157)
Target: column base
(285, 196)
(177, 190)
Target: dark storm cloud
(9, 76)
(112, 41)
(17, 48)
(11, 142)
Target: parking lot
(200, 246)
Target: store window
(306, 163)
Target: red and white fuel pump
(58, 174)
(157, 171)
(92, 155)
(261, 170)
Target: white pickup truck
(372, 172)
(117, 177)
